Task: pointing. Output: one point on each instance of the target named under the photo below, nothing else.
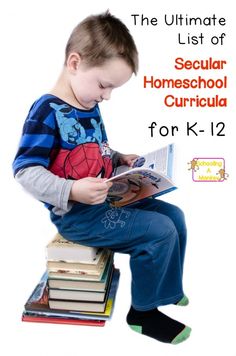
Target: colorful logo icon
(208, 169)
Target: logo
(208, 169)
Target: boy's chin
(90, 105)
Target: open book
(150, 175)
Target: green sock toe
(182, 336)
(137, 328)
(183, 302)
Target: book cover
(34, 318)
(149, 176)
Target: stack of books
(78, 287)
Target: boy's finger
(102, 187)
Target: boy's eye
(101, 86)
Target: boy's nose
(106, 94)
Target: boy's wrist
(71, 195)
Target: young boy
(64, 159)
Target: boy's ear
(73, 62)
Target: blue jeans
(152, 232)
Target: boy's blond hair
(101, 37)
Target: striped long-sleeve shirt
(63, 140)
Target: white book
(60, 249)
(80, 295)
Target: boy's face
(92, 85)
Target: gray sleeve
(46, 186)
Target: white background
(33, 37)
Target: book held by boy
(150, 175)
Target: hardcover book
(81, 295)
(81, 275)
(79, 305)
(68, 294)
(80, 268)
(37, 303)
(83, 284)
(67, 265)
(34, 318)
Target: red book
(59, 320)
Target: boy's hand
(90, 190)
(127, 160)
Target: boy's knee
(178, 213)
(162, 229)
(181, 225)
